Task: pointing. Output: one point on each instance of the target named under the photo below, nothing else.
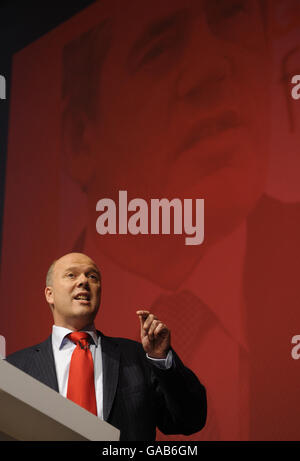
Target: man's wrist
(164, 363)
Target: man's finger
(152, 327)
(161, 328)
(148, 321)
(143, 312)
(142, 316)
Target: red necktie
(81, 384)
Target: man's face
(183, 106)
(75, 291)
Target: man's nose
(82, 280)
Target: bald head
(73, 290)
(49, 276)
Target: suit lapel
(43, 366)
(43, 369)
(111, 361)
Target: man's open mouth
(83, 296)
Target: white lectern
(30, 410)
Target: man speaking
(135, 387)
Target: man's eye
(70, 275)
(94, 277)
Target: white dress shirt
(63, 348)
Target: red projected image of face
(180, 112)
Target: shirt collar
(59, 335)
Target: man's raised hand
(155, 335)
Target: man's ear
(79, 146)
(49, 296)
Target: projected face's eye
(229, 9)
(160, 46)
(158, 50)
(229, 19)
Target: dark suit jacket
(137, 395)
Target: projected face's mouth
(210, 127)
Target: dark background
(22, 22)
